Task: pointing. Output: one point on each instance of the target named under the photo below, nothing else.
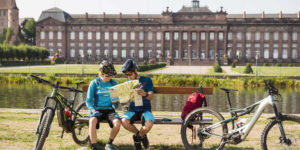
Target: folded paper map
(126, 92)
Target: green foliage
(145, 67)
(217, 68)
(29, 31)
(3, 36)
(266, 64)
(290, 65)
(248, 69)
(277, 64)
(233, 65)
(8, 35)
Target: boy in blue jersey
(136, 113)
(100, 104)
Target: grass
(271, 71)
(17, 133)
(211, 72)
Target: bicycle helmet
(129, 66)
(107, 67)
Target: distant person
(100, 104)
(139, 113)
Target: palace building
(9, 17)
(191, 36)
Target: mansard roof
(194, 10)
(54, 13)
(229, 16)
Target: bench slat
(160, 121)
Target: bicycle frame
(245, 130)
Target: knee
(117, 123)
(93, 121)
(125, 122)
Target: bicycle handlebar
(272, 90)
(40, 80)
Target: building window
(50, 35)
(284, 53)
(184, 54)
(229, 36)
(238, 53)
(98, 52)
(80, 35)
(248, 36)
(294, 36)
(167, 53)
(42, 35)
(141, 35)
(211, 35)
(89, 35)
(194, 36)
(266, 53)
(275, 36)
(150, 36)
(141, 53)
(72, 53)
(202, 36)
(194, 54)
(239, 36)
(72, 44)
(211, 54)
(106, 53)
(285, 36)
(221, 35)
(257, 36)
(294, 53)
(42, 44)
(59, 44)
(72, 35)
(175, 35)
(132, 53)
(123, 35)
(167, 35)
(202, 56)
(275, 53)
(115, 35)
(158, 53)
(59, 52)
(115, 53)
(267, 36)
(123, 53)
(106, 35)
(132, 35)
(158, 36)
(184, 37)
(50, 44)
(248, 53)
(59, 36)
(89, 53)
(220, 54)
(229, 52)
(81, 52)
(149, 53)
(98, 35)
(175, 54)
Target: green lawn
(57, 69)
(271, 71)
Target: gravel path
(193, 70)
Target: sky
(33, 8)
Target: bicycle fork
(278, 117)
(43, 113)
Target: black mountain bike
(66, 115)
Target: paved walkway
(193, 70)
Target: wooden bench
(170, 90)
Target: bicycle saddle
(228, 90)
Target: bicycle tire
(207, 114)
(270, 138)
(44, 129)
(81, 126)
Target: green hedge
(22, 63)
(143, 68)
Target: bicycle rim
(44, 129)
(80, 131)
(272, 138)
(193, 136)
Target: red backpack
(194, 101)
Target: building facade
(192, 36)
(9, 17)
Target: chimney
(244, 14)
(120, 15)
(86, 15)
(298, 15)
(280, 14)
(103, 15)
(263, 15)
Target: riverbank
(17, 127)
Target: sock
(110, 141)
(94, 145)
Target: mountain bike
(66, 115)
(281, 132)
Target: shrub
(278, 65)
(66, 62)
(290, 65)
(143, 68)
(265, 64)
(78, 62)
(217, 68)
(248, 69)
(233, 65)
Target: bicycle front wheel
(271, 137)
(43, 130)
(80, 131)
(200, 130)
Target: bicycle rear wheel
(271, 137)
(44, 129)
(80, 131)
(195, 135)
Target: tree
(217, 68)
(29, 31)
(248, 69)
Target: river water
(31, 96)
